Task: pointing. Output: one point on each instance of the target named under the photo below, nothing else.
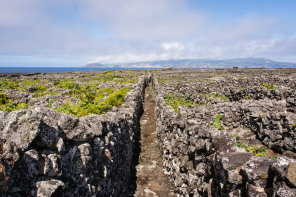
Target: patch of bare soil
(151, 180)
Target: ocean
(54, 69)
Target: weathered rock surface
(47, 153)
(204, 161)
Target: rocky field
(222, 132)
(228, 132)
(88, 150)
(66, 92)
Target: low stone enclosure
(48, 153)
(228, 133)
(222, 132)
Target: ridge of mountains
(201, 63)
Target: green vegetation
(41, 88)
(65, 83)
(41, 91)
(6, 104)
(11, 107)
(216, 95)
(268, 86)
(248, 97)
(294, 125)
(273, 158)
(176, 102)
(216, 122)
(110, 76)
(4, 99)
(259, 151)
(235, 135)
(28, 83)
(9, 84)
(49, 105)
(39, 94)
(106, 77)
(206, 104)
(93, 104)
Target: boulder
(256, 170)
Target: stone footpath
(151, 180)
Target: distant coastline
(201, 63)
(55, 69)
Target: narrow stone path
(151, 180)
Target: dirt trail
(151, 180)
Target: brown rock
(291, 174)
(155, 186)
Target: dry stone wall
(47, 153)
(204, 161)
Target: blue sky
(77, 32)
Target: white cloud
(112, 31)
(172, 45)
(146, 20)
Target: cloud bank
(110, 31)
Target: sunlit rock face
(227, 132)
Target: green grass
(216, 122)
(93, 103)
(259, 151)
(268, 86)
(176, 102)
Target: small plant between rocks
(268, 86)
(176, 102)
(216, 122)
(258, 151)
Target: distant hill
(203, 63)
(94, 65)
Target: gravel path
(151, 180)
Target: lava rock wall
(47, 153)
(204, 161)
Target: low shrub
(93, 103)
(9, 84)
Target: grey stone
(256, 170)
(49, 188)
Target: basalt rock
(204, 161)
(48, 153)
